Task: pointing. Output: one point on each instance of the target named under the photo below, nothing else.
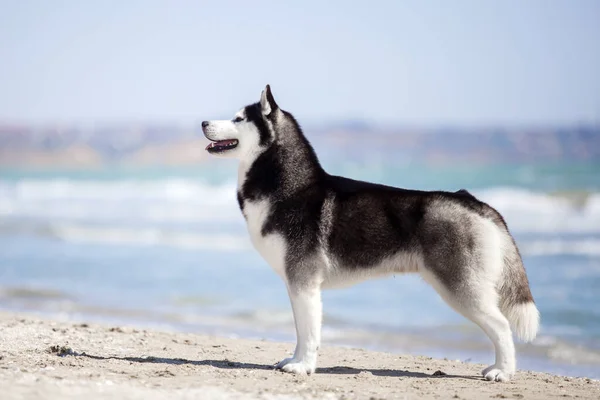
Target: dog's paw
(294, 366)
(495, 374)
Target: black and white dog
(319, 231)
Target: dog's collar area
(222, 145)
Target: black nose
(205, 124)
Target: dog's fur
(318, 231)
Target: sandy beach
(41, 358)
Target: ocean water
(167, 247)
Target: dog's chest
(272, 247)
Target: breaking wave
(580, 247)
(116, 235)
(171, 200)
(190, 201)
(538, 212)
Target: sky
(401, 62)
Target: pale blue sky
(408, 62)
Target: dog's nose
(204, 124)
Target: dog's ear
(267, 102)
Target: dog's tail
(516, 300)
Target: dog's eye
(238, 119)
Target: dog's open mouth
(222, 145)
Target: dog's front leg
(308, 311)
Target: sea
(167, 248)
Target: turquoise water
(544, 177)
(168, 247)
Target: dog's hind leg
(467, 277)
(486, 313)
(479, 303)
(307, 309)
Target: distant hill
(171, 144)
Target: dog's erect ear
(267, 102)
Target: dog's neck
(285, 168)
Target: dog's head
(250, 132)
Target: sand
(41, 359)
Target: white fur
(525, 320)
(308, 314)
(494, 244)
(244, 132)
(271, 247)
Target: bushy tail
(516, 301)
(524, 319)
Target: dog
(321, 231)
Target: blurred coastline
(141, 145)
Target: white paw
(294, 366)
(493, 373)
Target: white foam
(170, 200)
(581, 247)
(150, 237)
(573, 354)
(536, 212)
(188, 200)
(173, 189)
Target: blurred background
(111, 210)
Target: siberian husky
(319, 231)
